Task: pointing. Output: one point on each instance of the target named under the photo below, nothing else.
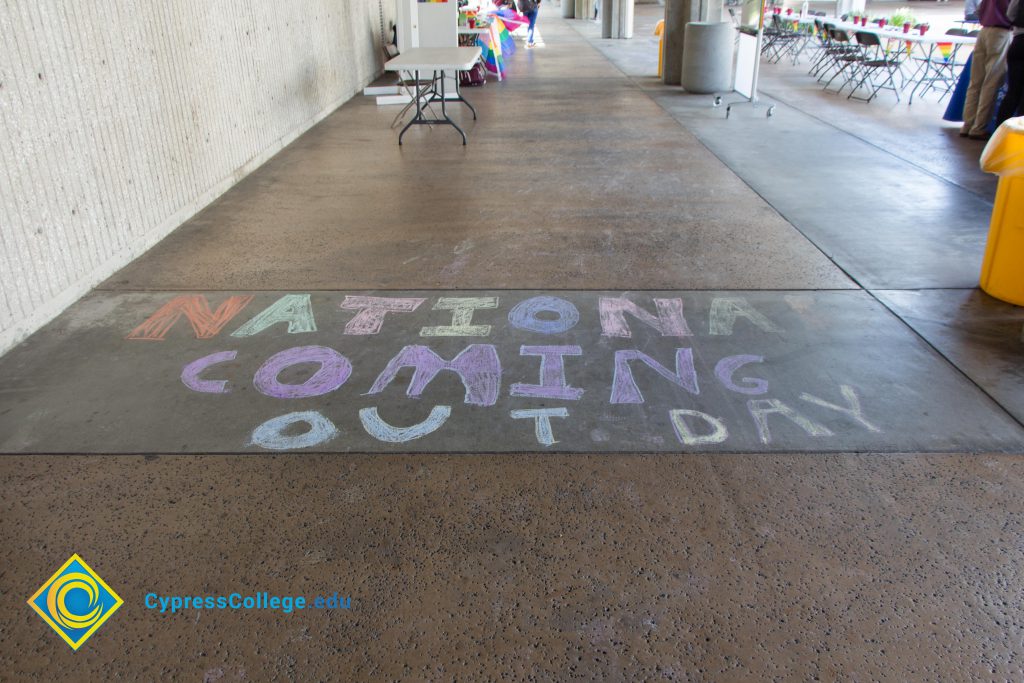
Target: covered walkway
(794, 453)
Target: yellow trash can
(659, 30)
(1002, 272)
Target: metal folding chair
(874, 58)
(846, 57)
(939, 68)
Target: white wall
(120, 119)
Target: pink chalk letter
(669, 321)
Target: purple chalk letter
(624, 388)
(190, 374)
(552, 373)
(727, 367)
(477, 365)
(334, 370)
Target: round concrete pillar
(623, 19)
(568, 9)
(707, 56)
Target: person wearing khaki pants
(988, 69)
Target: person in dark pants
(529, 9)
(1013, 103)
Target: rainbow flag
(511, 18)
(491, 48)
(508, 46)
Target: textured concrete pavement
(723, 568)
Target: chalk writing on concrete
(573, 369)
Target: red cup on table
(863, 21)
(472, 22)
(789, 11)
(906, 27)
(924, 29)
(881, 23)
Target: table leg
(419, 109)
(927, 69)
(460, 98)
(444, 112)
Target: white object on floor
(393, 99)
(371, 90)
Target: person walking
(529, 9)
(988, 68)
(1013, 103)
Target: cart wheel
(771, 111)
(718, 101)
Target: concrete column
(568, 9)
(581, 9)
(714, 10)
(622, 19)
(617, 18)
(678, 13)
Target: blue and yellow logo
(75, 601)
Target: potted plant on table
(903, 17)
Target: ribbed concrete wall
(121, 119)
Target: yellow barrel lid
(1004, 153)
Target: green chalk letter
(462, 317)
(294, 309)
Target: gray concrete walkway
(618, 391)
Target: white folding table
(437, 60)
